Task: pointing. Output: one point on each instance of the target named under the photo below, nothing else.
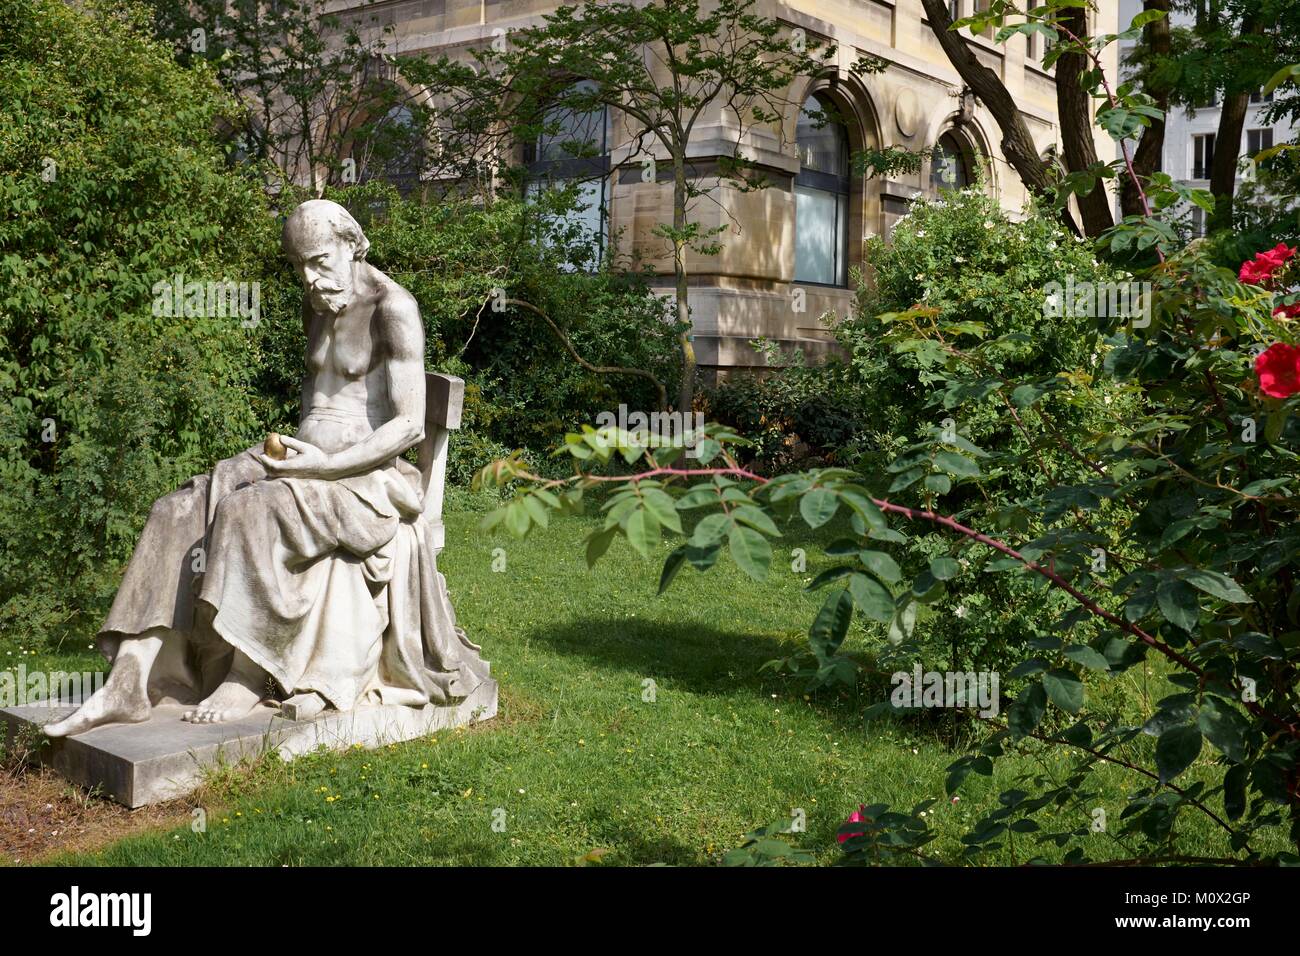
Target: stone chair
(444, 399)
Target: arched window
(574, 147)
(399, 148)
(949, 164)
(821, 189)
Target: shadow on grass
(701, 660)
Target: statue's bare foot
(111, 704)
(232, 700)
(303, 706)
(238, 694)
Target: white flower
(988, 223)
(961, 611)
(920, 233)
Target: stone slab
(165, 757)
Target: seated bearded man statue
(311, 577)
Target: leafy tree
(689, 60)
(325, 102)
(1038, 175)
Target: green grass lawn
(577, 761)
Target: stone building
(786, 254)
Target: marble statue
(301, 573)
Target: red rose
(1260, 269)
(1278, 369)
(857, 816)
(1251, 275)
(1291, 311)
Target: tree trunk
(1017, 143)
(686, 394)
(1074, 107)
(1150, 148)
(1227, 148)
(1227, 144)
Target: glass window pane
(588, 219)
(948, 165)
(842, 241)
(823, 150)
(816, 236)
(578, 133)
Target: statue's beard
(330, 298)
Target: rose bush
(1174, 545)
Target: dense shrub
(109, 182)
(964, 260)
(795, 416)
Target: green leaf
(598, 543)
(1145, 17)
(1027, 710)
(1025, 395)
(1281, 76)
(831, 624)
(661, 504)
(1176, 748)
(703, 558)
(672, 564)
(1216, 585)
(706, 449)
(536, 510)
(1225, 727)
(643, 531)
(829, 575)
(750, 551)
(756, 518)
(944, 569)
(492, 519)
(939, 484)
(712, 528)
(867, 508)
(876, 602)
(881, 565)
(902, 624)
(1234, 791)
(818, 506)
(1178, 604)
(1064, 689)
(1085, 655)
(956, 464)
(517, 520)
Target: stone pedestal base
(165, 757)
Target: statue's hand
(306, 460)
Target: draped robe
(330, 585)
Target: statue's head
(326, 246)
